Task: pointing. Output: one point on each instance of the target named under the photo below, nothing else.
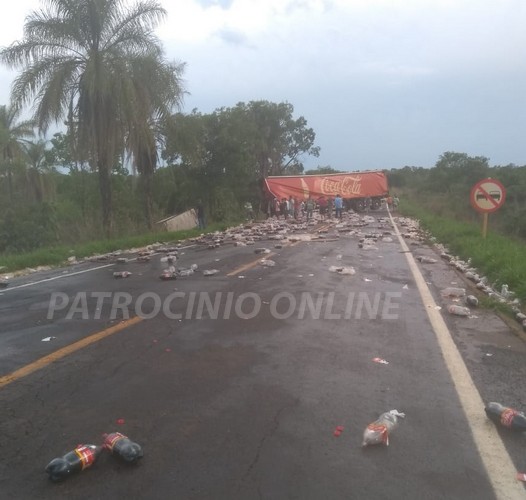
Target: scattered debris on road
(378, 432)
(122, 446)
(168, 275)
(121, 274)
(210, 272)
(82, 457)
(342, 270)
(506, 417)
(453, 292)
(338, 431)
(472, 301)
(458, 310)
(426, 260)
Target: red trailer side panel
(352, 185)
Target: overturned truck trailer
(356, 188)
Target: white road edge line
(63, 276)
(499, 466)
(53, 278)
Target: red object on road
(120, 421)
(339, 429)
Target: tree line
(49, 195)
(127, 155)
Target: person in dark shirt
(322, 203)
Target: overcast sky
(383, 84)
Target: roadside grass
(57, 255)
(501, 259)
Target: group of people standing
(293, 208)
(286, 208)
(392, 202)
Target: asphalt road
(234, 385)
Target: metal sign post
(485, 224)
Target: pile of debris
(495, 291)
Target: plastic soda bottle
(82, 457)
(453, 292)
(120, 445)
(378, 431)
(121, 274)
(458, 310)
(168, 274)
(471, 300)
(507, 417)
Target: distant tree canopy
(219, 157)
(262, 134)
(226, 154)
(323, 170)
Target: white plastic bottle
(378, 432)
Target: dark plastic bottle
(119, 444)
(507, 417)
(82, 457)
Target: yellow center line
(66, 351)
(250, 265)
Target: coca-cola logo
(507, 416)
(346, 186)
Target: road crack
(273, 428)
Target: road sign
(487, 195)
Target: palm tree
(79, 59)
(38, 175)
(12, 139)
(161, 89)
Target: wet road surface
(234, 383)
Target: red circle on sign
(487, 195)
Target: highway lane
(245, 407)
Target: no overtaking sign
(487, 195)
